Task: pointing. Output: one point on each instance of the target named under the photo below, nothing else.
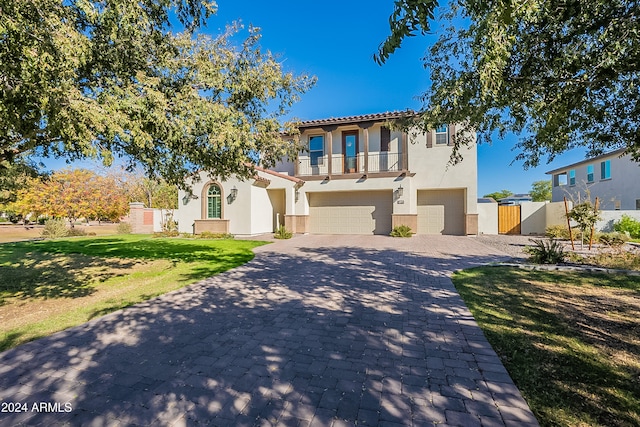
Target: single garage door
(351, 212)
(441, 212)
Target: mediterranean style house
(356, 176)
(614, 178)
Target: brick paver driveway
(318, 330)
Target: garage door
(350, 212)
(441, 212)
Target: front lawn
(48, 286)
(571, 341)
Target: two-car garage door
(441, 212)
(351, 212)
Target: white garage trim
(441, 212)
(350, 212)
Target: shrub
(166, 234)
(54, 228)
(615, 240)
(626, 224)
(557, 232)
(545, 251)
(401, 231)
(210, 235)
(73, 232)
(282, 233)
(123, 228)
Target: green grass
(47, 286)
(570, 341)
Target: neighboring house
(614, 178)
(355, 177)
(515, 199)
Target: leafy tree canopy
(72, 194)
(497, 195)
(563, 73)
(541, 191)
(88, 78)
(15, 176)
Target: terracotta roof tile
(278, 174)
(356, 119)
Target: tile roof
(278, 174)
(356, 119)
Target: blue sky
(335, 40)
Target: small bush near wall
(626, 224)
(557, 232)
(282, 233)
(124, 228)
(401, 231)
(210, 235)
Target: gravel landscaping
(513, 245)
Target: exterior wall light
(233, 193)
(187, 197)
(297, 195)
(400, 191)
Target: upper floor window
(560, 179)
(605, 169)
(442, 135)
(385, 138)
(590, 173)
(214, 202)
(572, 177)
(316, 149)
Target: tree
(88, 78)
(73, 194)
(561, 73)
(586, 216)
(541, 191)
(13, 177)
(497, 195)
(155, 193)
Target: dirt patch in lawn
(605, 318)
(42, 285)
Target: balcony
(378, 162)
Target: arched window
(214, 202)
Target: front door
(350, 151)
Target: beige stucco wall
(555, 213)
(533, 217)
(487, 218)
(433, 170)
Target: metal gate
(509, 219)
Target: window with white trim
(316, 149)
(572, 177)
(442, 135)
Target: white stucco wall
(487, 218)
(249, 214)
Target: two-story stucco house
(614, 178)
(355, 177)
